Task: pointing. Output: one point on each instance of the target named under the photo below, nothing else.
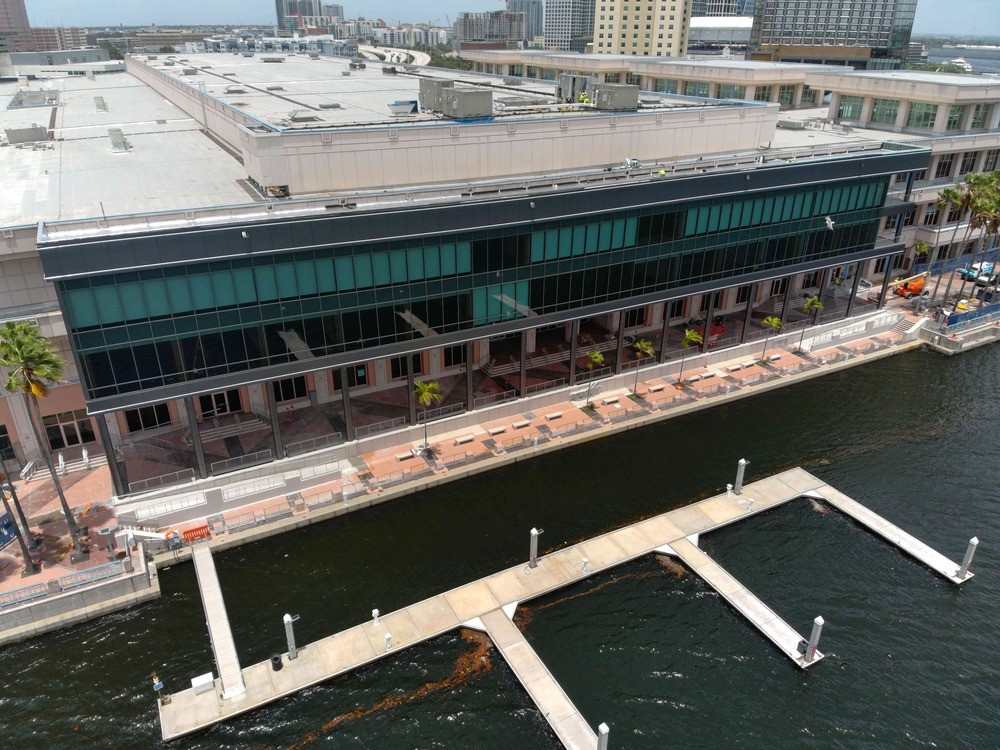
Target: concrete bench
(521, 425)
(655, 388)
(734, 368)
(497, 430)
(611, 400)
(405, 456)
(554, 415)
(773, 357)
(463, 439)
(751, 363)
(692, 379)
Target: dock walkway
(219, 632)
(893, 534)
(548, 695)
(482, 603)
(776, 630)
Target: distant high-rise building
(13, 16)
(498, 26)
(334, 11)
(870, 34)
(652, 28)
(703, 8)
(532, 10)
(58, 38)
(569, 24)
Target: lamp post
(28, 536)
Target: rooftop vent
(248, 54)
(118, 143)
(24, 99)
(275, 88)
(509, 81)
(169, 64)
(206, 67)
(314, 55)
(403, 108)
(100, 104)
(188, 72)
(345, 72)
(791, 124)
(330, 105)
(235, 90)
(228, 74)
(302, 115)
(34, 134)
(272, 59)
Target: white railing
(238, 462)
(426, 415)
(174, 477)
(171, 505)
(244, 489)
(371, 429)
(24, 594)
(92, 575)
(313, 444)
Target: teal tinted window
(246, 290)
(201, 291)
(285, 274)
(566, 242)
(579, 239)
(133, 301)
(305, 278)
(83, 308)
(364, 277)
(267, 287)
(432, 262)
(397, 266)
(223, 289)
(618, 234)
(537, 247)
(345, 272)
(604, 243)
(415, 263)
(180, 295)
(552, 244)
(631, 230)
(593, 237)
(449, 267)
(380, 269)
(325, 279)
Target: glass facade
(731, 91)
(980, 117)
(956, 113)
(922, 115)
(885, 111)
(696, 88)
(786, 95)
(850, 107)
(152, 327)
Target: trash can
(276, 663)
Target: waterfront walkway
(476, 605)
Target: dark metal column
(470, 394)
(709, 314)
(885, 283)
(665, 330)
(117, 483)
(574, 330)
(524, 363)
(749, 314)
(621, 341)
(272, 406)
(410, 387)
(199, 452)
(345, 395)
(787, 299)
(854, 288)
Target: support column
(749, 313)
(345, 395)
(470, 394)
(709, 314)
(117, 483)
(574, 328)
(664, 331)
(941, 118)
(901, 114)
(885, 283)
(524, 363)
(272, 406)
(854, 288)
(410, 387)
(621, 342)
(787, 299)
(199, 452)
(322, 380)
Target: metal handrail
(238, 462)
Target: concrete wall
(87, 603)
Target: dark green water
(912, 661)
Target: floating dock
(489, 603)
(219, 632)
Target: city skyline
(933, 16)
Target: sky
(933, 16)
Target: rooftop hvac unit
(330, 105)
(791, 124)
(26, 135)
(403, 108)
(571, 86)
(272, 59)
(345, 72)
(100, 104)
(509, 81)
(388, 71)
(616, 97)
(169, 64)
(314, 55)
(248, 54)
(188, 71)
(302, 115)
(275, 88)
(235, 90)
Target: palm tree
(814, 306)
(964, 197)
(594, 359)
(427, 393)
(644, 348)
(691, 338)
(773, 324)
(33, 362)
(5, 475)
(29, 565)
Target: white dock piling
(375, 618)
(814, 639)
(533, 556)
(290, 635)
(602, 736)
(388, 641)
(967, 560)
(740, 469)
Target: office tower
(532, 10)
(13, 16)
(652, 28)
(569, 24)
(872, 34)
(499, 26)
